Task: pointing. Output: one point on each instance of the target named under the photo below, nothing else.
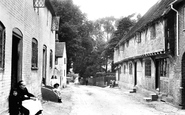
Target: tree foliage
(86, 41)
(123, 25)
(77, 31)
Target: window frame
(130, 68)
(163, 67)
(34, 59)
(153, 32)
(51, 59)
(2, 44)
(184, 18)
(124, 69)
(138, 37)
(148, 67)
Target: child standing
(14, 102)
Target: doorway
(16, 68)
(183, 81)
(135, 73)
(157, 75)
(44, 63)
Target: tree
(71, 20)
(123, 25)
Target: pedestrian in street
(86, 82)
(114, 83)
(14, 102)
(56, 90)
(110, 83)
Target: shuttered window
(34, 54)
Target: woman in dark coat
(24, 95)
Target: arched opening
(16, 64)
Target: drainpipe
(177, 29)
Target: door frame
(16, 61)
(44, 65)
(157, 74)
(182, 88)
(135, 73)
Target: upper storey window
(153, 32)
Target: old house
(27, 46)
(151, 56)
(61, 63)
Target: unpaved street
(92, 100)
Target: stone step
(154, 97)
(148, 99)
(132, 91)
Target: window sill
(1, 69)
(34, 68)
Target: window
(56, 61)
(139, 37)
(65, 61)
(51, 58)
(64, 73)
(127, 43)
(163, 67)
(130, 68)
(146, 32)
(147, 67)
(184, 18)
(2, 45)
(153, 32)
(124, 69)
(34, 53)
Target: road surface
(92, 100)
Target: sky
(118, 8)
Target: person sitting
(29, 103)
(56, 90)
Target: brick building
(151, 56)
(27, 46)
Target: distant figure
(86, 82)
(53, 80)
(14, 102)
(111, 83)
(57, 92)
(114, 83)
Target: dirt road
(92, 100)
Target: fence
(102, 79)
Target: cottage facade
(61, 63)
(150, 57)
(27, 46)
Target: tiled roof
(155, 12)
(59, 49)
